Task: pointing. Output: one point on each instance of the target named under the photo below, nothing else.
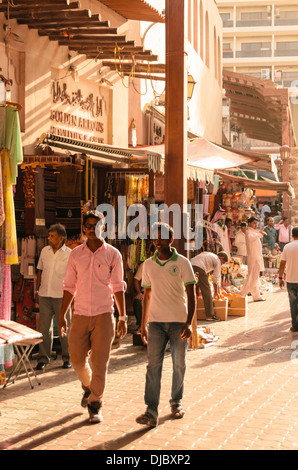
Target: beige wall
(205, 108)
(35, 62)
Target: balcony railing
(228, 54)
(286, 53)
(286, 22)
(228, 23)
(254, 53)
(246, 23)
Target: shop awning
(208, 156)
(139, 10)
(257, 184)
(258, 107)
(98, 153)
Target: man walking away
(94, 278)
(289, 261)
(168, 307)
(203, 264)
(49, 289)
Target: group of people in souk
(80, 288)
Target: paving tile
(239, 394)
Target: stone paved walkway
(239, 394)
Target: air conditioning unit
(265, 74)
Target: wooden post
(176, 100)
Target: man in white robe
(255, 263)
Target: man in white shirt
(240, 242)
(265, 209)
(204, 264)
(168, 308)
(289, 261)
(49, 287)
(255, 262)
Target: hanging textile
(27, 268)
(5, 305)
(8, 229)
(2, 211)
(50, 183)
(19, 203)
(10, 138)
(68, 199)
(29, 191)
(25, 305)
(40, 225)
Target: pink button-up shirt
(284, 233)
(93, 278)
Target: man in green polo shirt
(168, 308)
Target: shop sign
(78, 111)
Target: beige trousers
(90, 340)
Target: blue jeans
(158, 336)
(293, 297)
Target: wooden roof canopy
(138, 10)
(257, 106)
(66, 22)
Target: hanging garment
(5, 299)
(27, 268)
(50, 184)
(19, 203)
(68, 199)
(25, 307)
(40, 229)
(9, 227)
(2, 211)
(10, 138)
(29, 191)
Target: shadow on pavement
(5, 445)
(127, 438)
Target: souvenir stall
(11, 155)
(238, 200)
(134, 186)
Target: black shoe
(67, 365)
(95, 415)
(294, 330)
(40, 366)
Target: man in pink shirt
(285, 232)
(94, 278)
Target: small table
(23, 350)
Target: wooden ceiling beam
(60, 14)
(18, 3)
(57, 34)
(37, 23)
(40, 8)
(104, 56)
(144, 76)
(139, 68)
(91, 40)
(104, 49)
